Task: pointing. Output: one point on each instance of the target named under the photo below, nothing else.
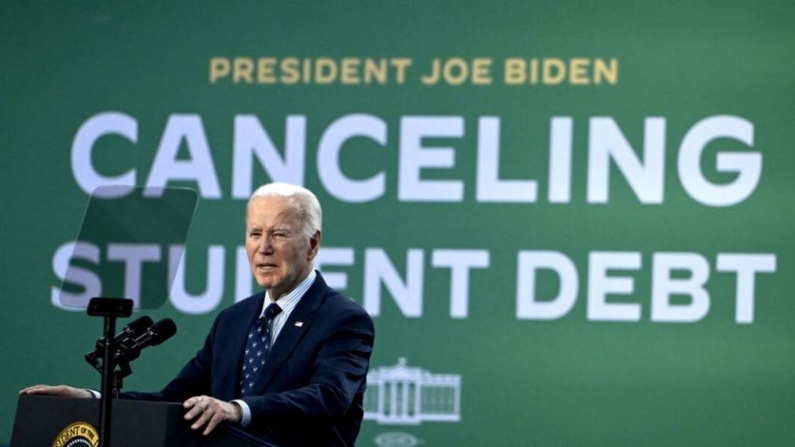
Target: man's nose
(265, 245)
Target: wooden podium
(59, 421)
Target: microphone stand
(110, 309)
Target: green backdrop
(580, 234)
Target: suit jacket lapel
(238, 339)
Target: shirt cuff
(246, 420)
(97, 394)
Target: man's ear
(314, 244)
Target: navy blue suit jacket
(314, 379)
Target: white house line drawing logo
(404, 395)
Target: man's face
(278, 252)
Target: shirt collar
(289, 301)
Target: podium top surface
(43, 420)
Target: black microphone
(153, 336)
(129, 332)
(132, 330)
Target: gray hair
(298, 197)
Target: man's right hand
(58, 390)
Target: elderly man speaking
(288, 364)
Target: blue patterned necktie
(259, 341)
